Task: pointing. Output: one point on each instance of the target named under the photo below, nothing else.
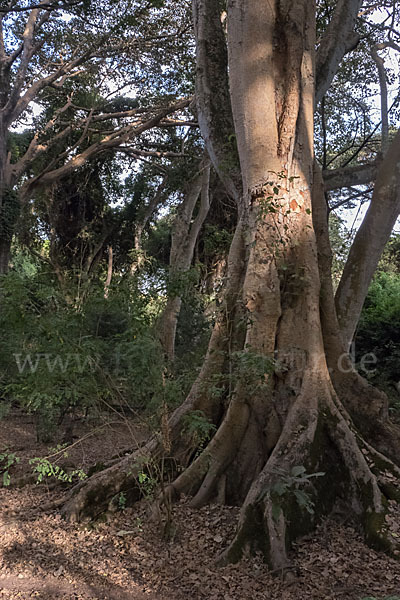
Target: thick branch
(143, 218)
(380, 63)
(40, 5)
(184, 238)
(212, 95)
(27, 50)
(369, 242)
(349, 176)
(109, 142)
(338, 39)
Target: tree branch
(109, 142)
(339, 38)
(369, 242)
(349, 176)
(380, 64)
(212, 95)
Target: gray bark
(338, 39)
(349, 176)
(212, 95)
(369, 242)
(184, 237)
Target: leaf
(298, 470)
(280, 488)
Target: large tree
(290, 405)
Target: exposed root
(269, 522)
(201, 477)
(91, 498)
(264, 518)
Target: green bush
(379, 332)
(57, 359)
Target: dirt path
(49, 588)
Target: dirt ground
(125, 558)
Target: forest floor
(42, 556)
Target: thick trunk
(212, 95)
(168, 324)
(184, 238)
(367, 405)
(8, 203)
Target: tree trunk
(109, 272)
(8, 200)
(184, 237)
(141, 223)
(5, 252)
(280, 415)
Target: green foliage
(44, 468)
(289, 486)
(251, 368)
(148, 477)
(122, 501)
(340, 242)
(217, 240)
(379, 332)
(197, 426)
(182, 283)
(58, 360)
(7, 460)
(148, 484)
(10, 210)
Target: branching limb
(338, 39)
(349, 176)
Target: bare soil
(126, 558)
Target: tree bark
(369, 242)
(183, 242)
(338, 39)
(141, 223)
(212, 95)
(109, 272)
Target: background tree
(51, 58)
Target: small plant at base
(44, 468)
(147, 477)
(7, 460)
(198, 427)
(147, 483)
(288, 485)
(122, 501)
